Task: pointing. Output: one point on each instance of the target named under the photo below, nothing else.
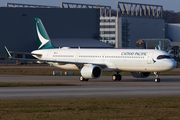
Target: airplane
(92, 62)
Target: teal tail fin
(158, 47)
(44, 41)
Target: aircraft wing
(56, 61)
(62, 62)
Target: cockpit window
(164, 57)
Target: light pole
(163, 33)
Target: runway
(103, 87)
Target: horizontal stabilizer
(9, 53)
(25, 53)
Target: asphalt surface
(103, 87)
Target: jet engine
(140, 74)
(91, 71)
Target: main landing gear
(116, 77)
(157, 79)
(83, 79)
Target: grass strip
(92, 109)
(21, 84)
(49, 71)
(28, 71)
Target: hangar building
(64, 26)
(92, 26)
(172, 31)
(134, 21)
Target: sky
(167, 4)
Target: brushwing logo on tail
(41, 38)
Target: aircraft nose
(172, 64)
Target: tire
(119, 77)
(81, 78)
(86, 80)
(114, 77)
(157, 80)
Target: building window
(107, 26)
(107, 38)
(107, 32)
(111, 20)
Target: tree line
(171, 16)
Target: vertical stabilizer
(158, 47)
(42, 37)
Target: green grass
(28, 71)
(49, 71)
(21, 84)
(92, 109)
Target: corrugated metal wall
(17, 29)
(142, 28)
(173, 32)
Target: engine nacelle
(91, 71)
(140, 74)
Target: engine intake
(91, 71)
(140, 74)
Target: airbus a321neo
(92, 62)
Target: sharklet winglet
(7, 51)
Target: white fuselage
(133, 60)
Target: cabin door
(77, 57)
(149, 59)
(48, 54)
(103, 56)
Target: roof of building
(176, 44)
(79, 42)
(155, 41)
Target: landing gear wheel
(81, 78)
(86, 79)
(157, 80)
(116, 77)
(119, 77)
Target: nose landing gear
(157, 79)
